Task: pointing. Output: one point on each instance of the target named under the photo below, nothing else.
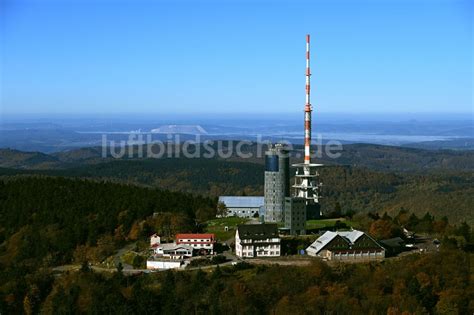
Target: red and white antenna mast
(307, 184)
(307, 109)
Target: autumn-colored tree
(363, 220)
(402, 217)
(284, 306)
(393, 310)
(119, 234)
(82, 253)
(134, 232)
(381, 229)
(27, 307)
(439, 226)
(449, 302)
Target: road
(422, 245)
(74, 267)
(119, 254)
(129, 270)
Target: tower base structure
(308, 186)
(295, 215)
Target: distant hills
(365, 178)
(54, 134)
(402, 159)
(27, 160)
(375, 157)
(453, 144)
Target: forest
(417, 284)
(48, 221)
(442, 193)
(84, 212)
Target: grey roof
(242, 201)
(258, 231)
(173, 246)
(321, 242)
(393, 242)
(350, 236)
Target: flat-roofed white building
(162, 264)
(173, 251)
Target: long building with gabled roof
(346, 246)
(242, 206)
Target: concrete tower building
(295, 215)
(277, 182)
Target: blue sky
(109, 56)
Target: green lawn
(217, 226)
(318, 224)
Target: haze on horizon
(180, 57)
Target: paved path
(72, 267)
(127, 269)
(119, 254)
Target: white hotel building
(257, 240)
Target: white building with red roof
(199, 242)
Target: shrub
(219, 259)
